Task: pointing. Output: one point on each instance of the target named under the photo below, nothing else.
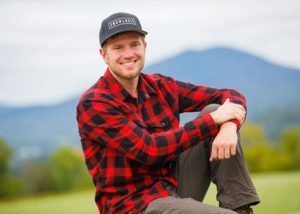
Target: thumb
(227, 101)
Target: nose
(128, 53)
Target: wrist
(229, 124)
(214, 117)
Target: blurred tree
(8, 184)
(5, 157)
(290, 143)
(259, 152)
(36, 177)
(69, 169)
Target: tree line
(264, 155)
(64, 169)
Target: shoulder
(159, 79)
(98, 92)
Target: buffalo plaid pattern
(130, 144)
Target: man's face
(125, 55)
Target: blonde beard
(129, 76)
(126, 76)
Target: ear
(103, 55)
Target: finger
(241, 107)
(243, 117)
(227, 101)
(233, 150)
(240, 119)
(240, 116)
(221, 154)
(227, 153)
(214, 153)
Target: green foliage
(259, 153)
(263, 155)
(290, 143)
(36, 177)
(9, 186)
(63, 170)
(69, 170)
(5, 157)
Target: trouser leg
(175, 205)
(194, 172)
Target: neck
(129, 84)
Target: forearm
(121, 134)
(195, 98)
(229, 111)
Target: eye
(117, 47)
(135, 44)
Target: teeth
(128, 63)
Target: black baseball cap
(119, 23)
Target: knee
(208, 109)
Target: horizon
(145, 69)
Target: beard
(127, 74)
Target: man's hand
(224, 144)
(229, 111)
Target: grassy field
(279, 193)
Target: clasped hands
(225, 143)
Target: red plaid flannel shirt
(130, 144)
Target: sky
(49, 50)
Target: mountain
(35, 131)
(264, 84)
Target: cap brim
(122, 31)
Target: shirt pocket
(155, 126)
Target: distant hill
(35, 131)
(265, 85)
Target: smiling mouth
(128, 63)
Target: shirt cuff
(207, 126)
(236, 123)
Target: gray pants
(195, 173)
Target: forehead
(127, 36)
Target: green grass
(279, 193)
(74, 202)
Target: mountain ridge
(237, 66)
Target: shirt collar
(144, 88)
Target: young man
(140, 159)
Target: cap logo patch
(121, 21)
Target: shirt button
(163, 124)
